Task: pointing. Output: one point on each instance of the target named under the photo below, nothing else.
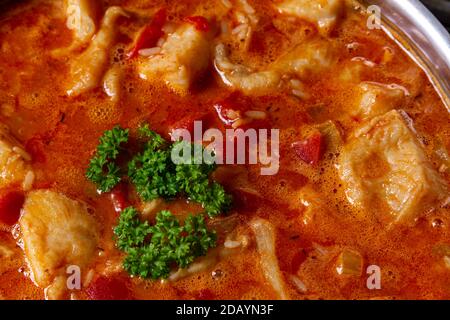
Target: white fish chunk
(385, 162)
(14, 160)
(184, 56)
(81, 16)
(375, 99)
(57, 232)
(87, 69)
(323, 13)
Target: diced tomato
(222, 112)
(310, 150)
(11, 203)
(35, 147)
(188, 123)
(150, 34)
(235, 102)
(119, 198)
(200, 23)
(104, 288)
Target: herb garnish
(153, 249)
(103, 170)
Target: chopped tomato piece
(119, 198)
(310, 150)
(234, 108)
(104, 288)
(228, 108)
(223, 114)
(188, 123)
(11, 203)
(150, 34)
(200, 23)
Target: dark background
(441, 9)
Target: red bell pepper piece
(188, 123)
(119, 198)
(234, 102)
(310, 150)
(105, 288)
(11, 203)
(238, 104)
(150, 34)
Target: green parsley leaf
(130, 231)
(151, 171)
(154, 140)
(193, 180)
(155, 175)
(103, 171)
(153, 250)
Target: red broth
(61, 133)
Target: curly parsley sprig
(152, 250)
(103, 169)
(150, 170)
(155, 175)
(153, 172)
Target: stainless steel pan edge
(423, 37)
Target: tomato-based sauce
(60, 132)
